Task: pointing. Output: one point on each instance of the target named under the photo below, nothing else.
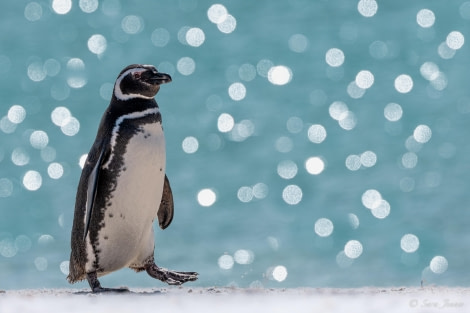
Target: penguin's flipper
(91, 191)
(166, 210)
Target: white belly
(127, 238)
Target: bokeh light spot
(226, 262)
(347, 120)
(16, 114)
(438, 264)
(367, 8)
(316, 133)
(245, 194)
(334, 57)
(237, 91)
(260, 190)
(243, 256)
(393, 112)
(323, 227)
(190, 144)
(55, 170)
(403, 83)
(455, 40)
(195, 37)
(6, 187)
(206, 197)
(279, 273)
(422, 133)
(225, 123)
(409, 243)
(382, 210)
(353, 220)
(409, 160)
(298, 43)
(38, 139)
(368, 159)
(76, 78)
(64, 267)
(314, 165)
(378, 50)
(41, 263)
(429, 70)
(354, 91)
(70, 127)
(353, 162)
(284, 144)
(97, 44)
(337, 110)
(228, 25)
(464, 10)
(247, 72)
(294, 125)
(292, 194)
(60, 115)
(61, 6)
(279, 75)
(106, 91)
(8, 248)
(287, 169)
(23, 243)
(36, 72)
(88, 6)
(425, 18)
(186, 66)
(364, 79)
(132, 24)
(217, 13)
(52, 67)
(33, 12)
(20, 156)
(82, 160)
(343, 260)
(160, 37)
(32, 180)
(353, 249)
(371, 199)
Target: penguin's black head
(139, 81)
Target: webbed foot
(170, 277)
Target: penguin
(123, 187)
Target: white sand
(294, 300)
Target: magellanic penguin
(123, 187)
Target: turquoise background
(249, 149)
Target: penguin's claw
(170, 277)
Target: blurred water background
(309, 142)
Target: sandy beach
(221, 299)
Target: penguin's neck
(121, 107)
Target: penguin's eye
(137, 75)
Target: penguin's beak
(158, 78)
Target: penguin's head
(139, 81)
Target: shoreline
(215, 299)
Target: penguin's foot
(96, 286)
(170, 277)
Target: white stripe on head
(115, 130)
(117, 86)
